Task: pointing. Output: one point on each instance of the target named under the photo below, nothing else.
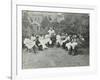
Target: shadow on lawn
(83, 51)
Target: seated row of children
(37, 42)
(41, 42)
(70, 42)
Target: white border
(18, 73)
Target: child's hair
(37, 36)
(33, 34)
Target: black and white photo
(55, 39)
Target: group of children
(42, 42)
(69, 43)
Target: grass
(54, 57)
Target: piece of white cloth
(74, 44)
(29, 43)
(68, 45)
(58, 39)
(51, 32)
(47, 39)
(43, 43)
(33, 38)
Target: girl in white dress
(58, 40)
(29, 43)
(43, 42)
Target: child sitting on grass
(30, 44)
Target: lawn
(54, 57)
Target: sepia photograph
(54, 39)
